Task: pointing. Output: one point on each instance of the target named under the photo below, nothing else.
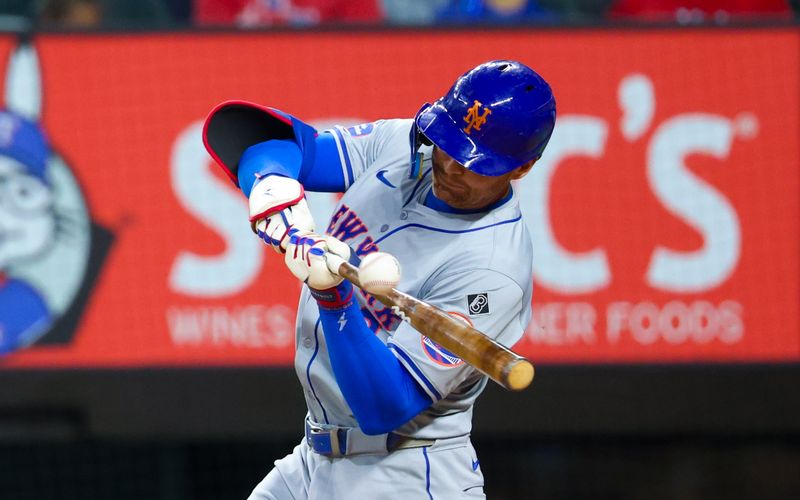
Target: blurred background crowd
(71, 14)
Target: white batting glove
(305, 258)
(277, 204)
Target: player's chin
(453, 197)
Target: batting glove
(305, 258)
(277, 204)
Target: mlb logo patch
(478, 304)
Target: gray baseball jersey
(475, 266)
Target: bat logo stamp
(399, 312)
(478, 304)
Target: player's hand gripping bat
(494, 360)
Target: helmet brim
(438, 126)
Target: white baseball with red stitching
(379, 272)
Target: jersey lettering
(350, 227)
(366, 247)
(384, 316)
(346, 225)
(335, 218)
(369, 298)
(387, 318)
(371, 322)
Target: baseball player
(389, 410)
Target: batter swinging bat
(499, 363)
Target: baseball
(378, 273)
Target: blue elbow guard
(276, 157)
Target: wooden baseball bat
(499, 363)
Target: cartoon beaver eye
(27, 193)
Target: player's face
(466, 190)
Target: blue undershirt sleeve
(379, 390)
(284, 158)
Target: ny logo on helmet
(475, 120)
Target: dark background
(657, 432)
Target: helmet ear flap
(417, 139)
(423, 139)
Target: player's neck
(431, 201)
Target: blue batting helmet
(496, 117)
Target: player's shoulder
(501, 248)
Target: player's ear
(522, 170)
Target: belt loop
(342, 438)
(334, 437)
(392, 440)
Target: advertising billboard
(664, 213)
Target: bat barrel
(499, 363)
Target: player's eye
(27, 193)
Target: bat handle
(334, 262)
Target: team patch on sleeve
(360, 130)
(478, 304)
(439, 354)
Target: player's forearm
(379, 390)
(284, 157)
